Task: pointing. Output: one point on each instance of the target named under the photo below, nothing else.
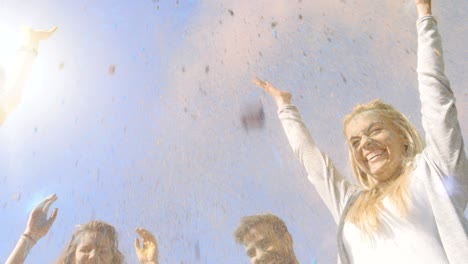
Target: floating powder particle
(111, 69)
(253, 117)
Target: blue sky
(160, 144)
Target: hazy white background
(160, 144)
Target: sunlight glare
(11, 39)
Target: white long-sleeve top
(440, 177)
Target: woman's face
(377, 145)
(94, 248)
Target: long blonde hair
(365, 211)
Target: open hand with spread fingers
(39, 223)
(38, 226)
(147, 252)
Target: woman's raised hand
(148, 251)
(281, 97)
(31, 37)
(38, 222)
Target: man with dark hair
(266, 239)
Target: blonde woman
(408, 206)
(93, 242)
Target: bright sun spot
(11, 39)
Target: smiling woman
(382, 146)
(154, 122)
(402, 201)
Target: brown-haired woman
(93, 242)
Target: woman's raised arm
(37, 227)
(330, 185)
(444, 142)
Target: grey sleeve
(330, 185)
(444, 142)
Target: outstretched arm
(444, 150)
(444, 142)
(37, 227)
(11, 95)
(148, 252)
(330, 185)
